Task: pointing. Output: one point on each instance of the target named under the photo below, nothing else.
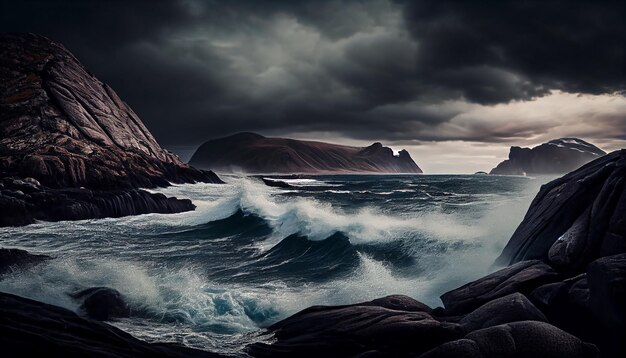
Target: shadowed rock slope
(563, 295)
(62, 127)
(32, 329)
(558, 156)
(254, 153)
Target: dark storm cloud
(366, 69)
(575, 46)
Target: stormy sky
(454, 82)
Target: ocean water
(250, 254)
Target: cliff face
(62, 126)
(558, 156)
(253, 153)
(70, 148)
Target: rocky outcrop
(564, 294)
(575, 219)
(557, 156)
(383, 326)
(521, 277)
(253, 153)
(33, 329)
(22, 204)
(62, 127)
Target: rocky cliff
(63, 128)
(253, 153)
(558, 156)
(563, 295)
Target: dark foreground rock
(522, 277)
(395, 326)
(62, 128)
(102, 303)
(558, 156)
(525, 339)
(512, 308)
(32, 329)
(575, 219)
(16, 259)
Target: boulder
(521, 277)
(526, 339)
(378, 328)
(510, 308)
(102, 303)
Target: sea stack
(254, 153)
(558, 156)
(70, 148)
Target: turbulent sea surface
(251, 255)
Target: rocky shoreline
(564, 294)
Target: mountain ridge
(557, 156)
(253, 153)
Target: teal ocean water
(251, 255)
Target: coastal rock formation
(33, 329)
(575, 219)
(517, 278)
(525, 339)
(566, 286)
(254, 153)
(23, 204)
(345, 331)
(62, 127)
(557, 156)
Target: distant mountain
(557, 156)
(254, 153)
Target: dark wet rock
(80, 203)
(575, 219)
(607, 290)
(102, 303)
(16, 259)
(511, 308)
(522, 277)
(345, 331)
(33, 329)
(526, 339)
(64, 127)
(60, 127)
(400, 303)
(558, 156)
(254, 153)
